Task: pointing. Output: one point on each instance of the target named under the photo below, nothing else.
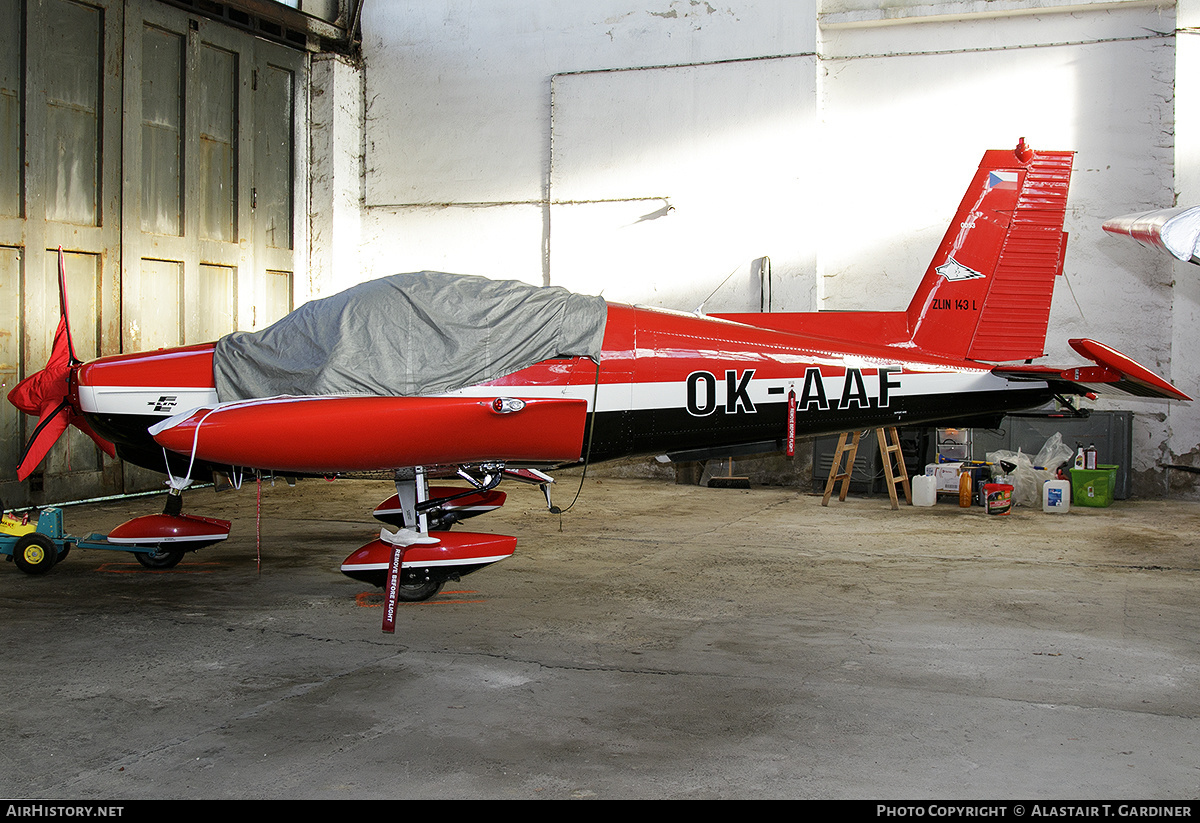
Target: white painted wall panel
(502, 242)
(907, 156)
(667, 181)
(458, 93)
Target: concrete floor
(659, 641)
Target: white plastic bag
(1031, 474)
(1053, 454)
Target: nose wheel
(416, 592)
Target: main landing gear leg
(162, 557)
(412, 488)
(174, 504)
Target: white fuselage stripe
(143, 400)
(467, 561)
(632, 396)
(672, 394)
(150, 540)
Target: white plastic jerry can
(924, 490)
(1056, 496)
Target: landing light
(507, 405)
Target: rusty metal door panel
(212, 308)
(73, 98)
(273, 162)
(60, 184)
(275, 172)
(162, 131)
(278, 300)
(218, 92)
(12, 52)
(217, 151)
(152, 297)
(208, 234)
(10, 359)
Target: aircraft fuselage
(666, 383)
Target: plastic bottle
(964, 490)
(1091, 457)
(1056, 496)
(1079, 458)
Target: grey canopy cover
(409, 334)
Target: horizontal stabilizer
(1113, 371)
(1174, 231)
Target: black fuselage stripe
(631, 432)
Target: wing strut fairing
(311, 435)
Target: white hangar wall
(587, 144)
(669, 186)
(949, 79)
(672, 153)
(1183, 443)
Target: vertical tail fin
(986, 294)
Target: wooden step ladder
(886, 450)
(889, 445)
(835, 471)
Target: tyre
(416, 592)
(159, 558)
(35, 553)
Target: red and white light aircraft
(661, 382)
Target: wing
(1174, 231)
(328, 435)
(1113, 370)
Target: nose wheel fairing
(175, 531)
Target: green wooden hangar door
(158, 147)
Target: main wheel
(416, 592)
(35, 553)
(159, 558)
